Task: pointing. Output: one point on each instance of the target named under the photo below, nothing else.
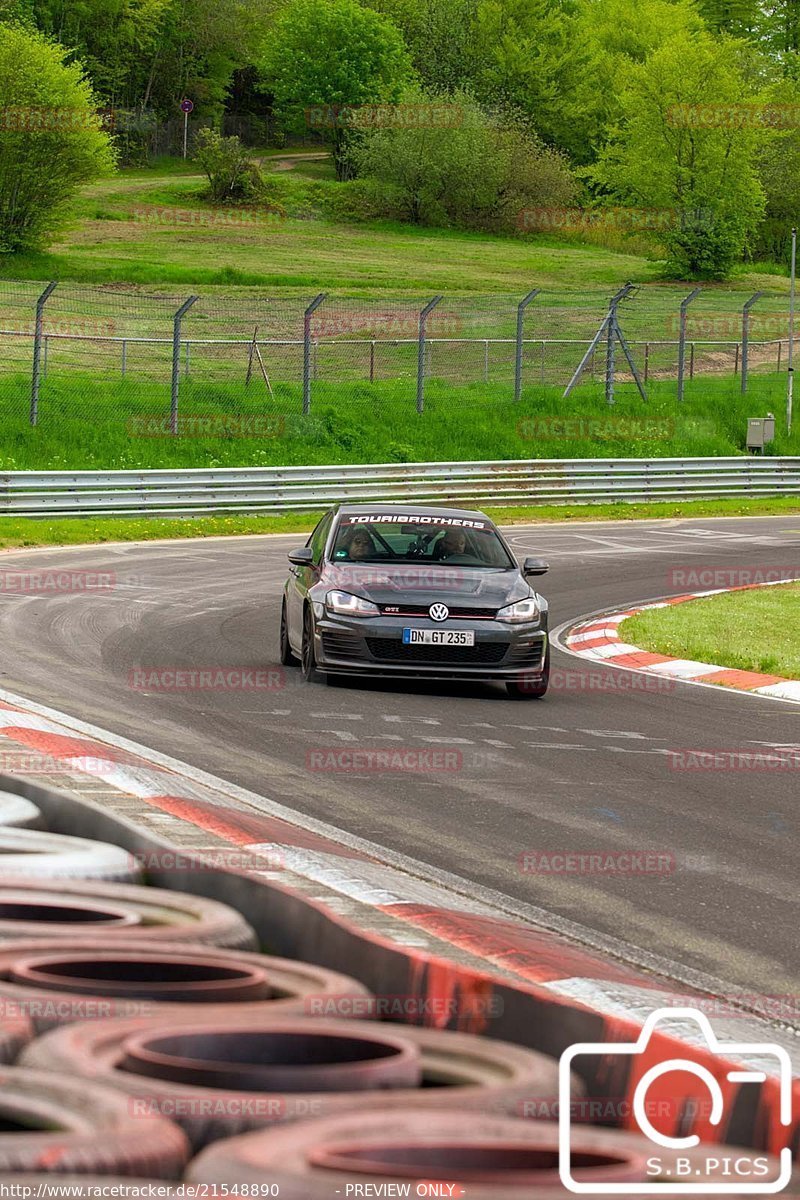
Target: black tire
(287, 655)
(531, 687)
(308, 659)
(66, 909)
(20, 813)
(63, 981)
(35, 854)
(77, 1126)
(174, 1066)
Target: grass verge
(25, 533)
(751, 631)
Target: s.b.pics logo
(680, 1165)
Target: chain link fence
(162, 360)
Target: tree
(51, 140)
(323, 56)
(477, 172)
(680, 147)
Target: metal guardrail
(288, 489)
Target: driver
(361, 545)
(453, 543)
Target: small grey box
(756, 433)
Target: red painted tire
(16, 1030)
(43, 909)
(57, 982)
(19, 813)
(60, 1125)
(483, 1158)
(168, 1065)
(37, 854)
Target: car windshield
(420, 539)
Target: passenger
(453, 543)
(361, 545)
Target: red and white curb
(598, 638)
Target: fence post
(124, 355)
(687, 300)
(177, 321)
(646, 361)
(37, 351)
(372, 362)
(485, 360)
(307, 315)
(746, 335)
(423, 318)
(523, 304)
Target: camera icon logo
(742, 1174)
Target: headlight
(350, 606)
(523, 610)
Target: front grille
(469, 614)
(342, 645)
(393, 650)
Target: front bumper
(374, 646)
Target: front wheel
(531, 687)
(308, 658)
(287, 655)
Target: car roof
(411, 510)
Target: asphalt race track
(582, 771)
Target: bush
(472, 170)
(51, 138)
(232, 175)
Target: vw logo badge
(439, 612)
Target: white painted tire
(34, 854)
(20, 813)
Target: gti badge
(439, 612)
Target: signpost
(187, 106)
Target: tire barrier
(16, 1030)
(62, 981)
(223, 1074)
(37, 909)
(60, 1126)
(18, 812)
(39, 855)
(492, 1158)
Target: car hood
(412, 584)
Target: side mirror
(535, 566)
(303, 557)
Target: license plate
(438, 637)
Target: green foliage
(51, 140)
(661, 157)
(465, 169)
(232, 176)
(324, 55)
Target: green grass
(751, 631)
(312, 250)
(25, 532)
(91, 423)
